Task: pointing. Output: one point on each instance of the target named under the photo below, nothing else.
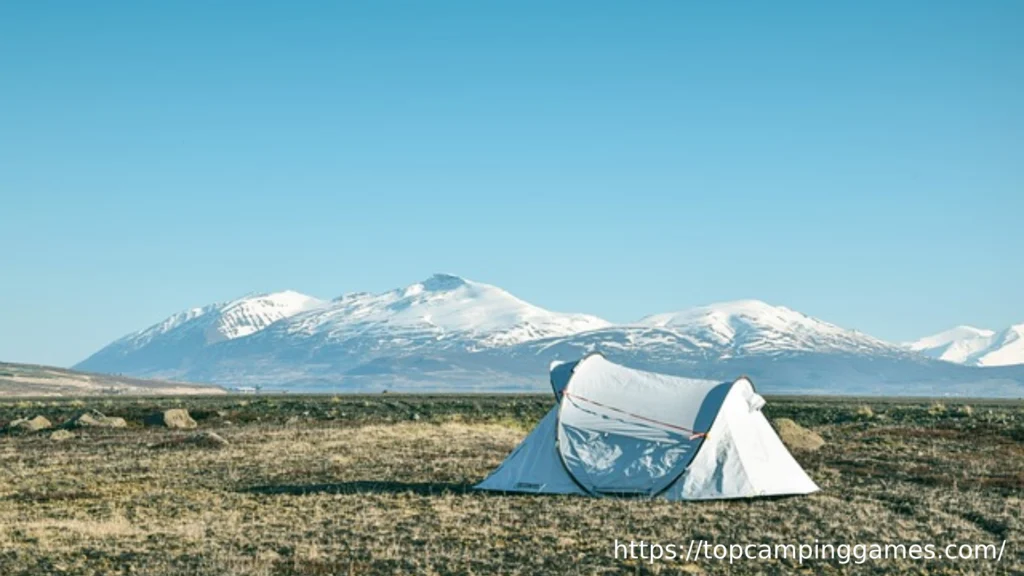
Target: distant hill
(33, 380)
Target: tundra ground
(382, 485)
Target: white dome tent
(616, 430)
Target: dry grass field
(382, 485)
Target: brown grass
(386, 495)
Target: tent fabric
(561, 372)
(616, 430)
(534, 466)
(742, 456)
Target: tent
(619, 431)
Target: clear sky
(862, 162)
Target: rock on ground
(796, 437)
(177, 418)
(30, 424)
(61, 435)
(94, 419)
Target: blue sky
(863, 162)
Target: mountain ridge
(973, 346)
(451, 332)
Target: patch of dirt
(197, 440)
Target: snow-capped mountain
(190, 331)
(1007, 348)
(716, 335)
(448, 332)
(781, 349)
(441, 311)
(754, 327)
(974, 346)
(226, 320)
(953, 345)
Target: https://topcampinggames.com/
(704, 551)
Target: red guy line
(694, 434)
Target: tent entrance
(608, 451)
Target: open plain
(382, 484)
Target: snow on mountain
(1006, 348)
(779, 348)
(443, 309)
(249, 315)
(440, 313)
(718, 332)
(231, 319)
(450, 333)
(974, 346)
(193, 329)
(754, 327)
(953, 345)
